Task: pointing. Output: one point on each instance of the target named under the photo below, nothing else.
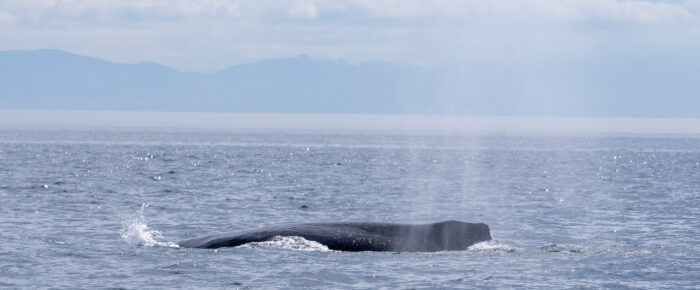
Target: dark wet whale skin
(434, 237)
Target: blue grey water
(102, 208)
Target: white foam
(136, 233)
(292, 243)
(492, 246)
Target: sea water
(104, 208)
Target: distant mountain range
(53, 79)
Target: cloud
(640, 11)
(6, 18)
(128, 12)
(207, 34)
(303, 9)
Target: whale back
(441, 236)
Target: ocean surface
(103, 208)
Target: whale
(448, 235)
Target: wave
(291, 243)
(565, 249)
(492, 246)
(621, 249)
(302, 244)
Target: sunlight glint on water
(568, 211)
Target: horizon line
(331, 122)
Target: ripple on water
(563, 248)
(568, 214)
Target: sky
(209, 35)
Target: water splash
(292, 243)
(493, 246)
(136, 233)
